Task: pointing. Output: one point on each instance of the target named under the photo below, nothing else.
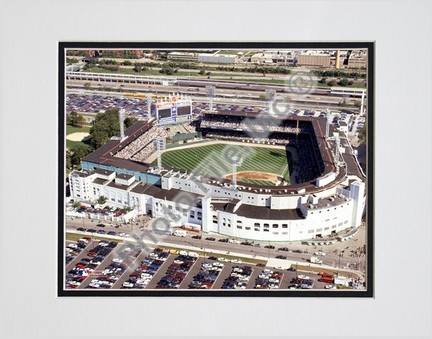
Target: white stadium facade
(328, 202)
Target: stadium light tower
(270, 95)
(160, 146)
(362, 102)
(149, 100)
(121, 119)
(235, 162)
(337, 148)
(210, 89)
(327, 127)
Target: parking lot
(108, 265)
(101, 103)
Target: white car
(301, 276)
(128, 284)
(117, 260)
(320, 253)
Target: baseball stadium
(242, 174)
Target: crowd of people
(145, 152)
(240, 136)
(142, 147)
(141, 142)
(240, 123)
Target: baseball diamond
(210, 160)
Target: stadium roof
(259, 212)
(105, 154)
(162, 194)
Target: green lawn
(155, 72)
(269, 80)
(71, 129)
(231, 52)
(213, 161)
(247, 77)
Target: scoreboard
(173, 109)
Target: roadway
(230, 97)
(337, 255)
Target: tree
(106, 125)
(362, 135)
(78, 152)
(137, 68)
(202, 71)
(332, 83)
(166, 69)
(323, 80)
(74, 119)
(343, 82)
(128, 122)
(127, 209)
(102, 200)
(87, 85)
(68, 160)
(113, 68)
(70, 61)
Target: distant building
(107, 53)
(314, 58)
(262, 58)
(132, 54)
(217, 58)
(356, 62)
(184, 56)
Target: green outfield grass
(212, 160)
